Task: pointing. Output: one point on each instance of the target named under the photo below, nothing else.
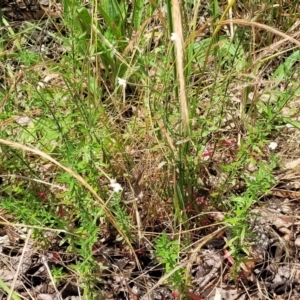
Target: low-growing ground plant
(141, 124)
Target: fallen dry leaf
(292, 164)
(218, 295)
(192, 296)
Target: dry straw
(99, 201)
(178, 41)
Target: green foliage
(284, 69)
(237, 219)
(57, 273)
(87, 121)
(167, 253)
(124, 221)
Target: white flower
(115, 186)
(289, 125)
(173, 36)
(273, 145)
(122, 82)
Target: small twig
(10, 295)
(36, 180)
(230, 14)
(187, 262)
(45, 263)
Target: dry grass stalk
(177, 23)
(10, 295)
(79, 178)
(262, 26)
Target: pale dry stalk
(177, 22)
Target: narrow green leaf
(137, 13)
(292, 122)
(285, 68)
(84, 19)
(114, 15)
(6, 289)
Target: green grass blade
(137, 14)
(113, 28)
(6, 289)
(84, 19)
(285, 68)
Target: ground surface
(272, 268)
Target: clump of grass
(136, 86)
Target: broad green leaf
(84, 19)
(285, 68)
(114, 14)
(112, 26)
